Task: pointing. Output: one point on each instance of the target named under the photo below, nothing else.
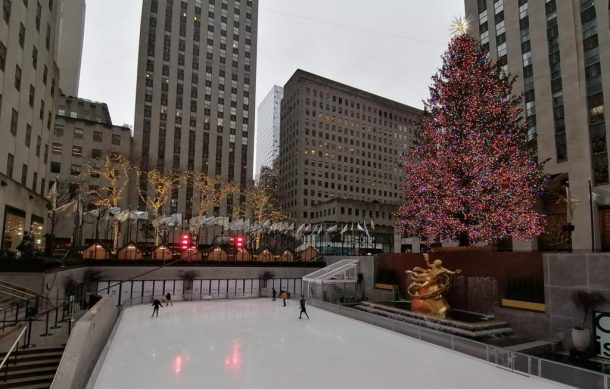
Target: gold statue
(428, 286)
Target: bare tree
(211, 191)
(112, 169)
(161, 186)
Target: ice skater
(168, 299)
(283, 296)
(273, 293)
(156, 304)
(303, 310)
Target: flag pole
(591, 213)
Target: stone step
(484, 324)
(15, 375)
(37, 352)
(424, 321)
(42, 381)
(38, 364)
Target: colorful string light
(471, 174)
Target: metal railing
(519, 363)
(148, 299)
(15, 347)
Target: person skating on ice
(273, 293)
(168, 298)
(283, 296)
(303, 310)
(156, 304)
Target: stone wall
(563, 275)
(566, 273)
(86, 341)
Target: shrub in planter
(586, 301)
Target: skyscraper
(70, 44)
(195, 92)
(268, 130)
(29, 79)
(560, 51)
(340, 152)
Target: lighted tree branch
(471, 174)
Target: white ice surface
(261, 344)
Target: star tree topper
(459, 26)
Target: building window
(31, 97)
(116, 139)
(77, 151)
(14, 121)
(14, 225)
(21, 34)
(17, 77)
(75, 170)
(24, 175)
(55, 167)
(2, 56)
(78, 133)
(10, 163)
(34, 57)
(57, 148)
(98, 136)
(28, 135)
(59, 130)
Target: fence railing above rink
(519, 363)
(148, 299)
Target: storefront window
(37, 229)
(14, 223)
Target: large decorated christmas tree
(471, 175)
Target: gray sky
(387, 47)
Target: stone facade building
(195, 93)
(70, 44)
(340, 152)
(560, 52)
(29, 80)
(83, 132)
(268, 131)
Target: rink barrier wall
(87, 339)
(516, 362)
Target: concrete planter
(581, 339)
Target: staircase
(34, 369)
(479, 329)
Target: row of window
(10, 167)
(78, 133)
(334, 102)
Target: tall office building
(29, 79)
(560, 51)
(195, 92)
(70, 44)
(340, 152)
(268, 130)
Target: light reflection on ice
(233, 359)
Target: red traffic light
(185, 241)
(238, 242)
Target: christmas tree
(471, 175)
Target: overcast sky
(387, 47)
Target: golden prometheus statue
(428, 286)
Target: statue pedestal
(436, 307)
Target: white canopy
(344, 271)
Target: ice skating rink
(261, 344)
